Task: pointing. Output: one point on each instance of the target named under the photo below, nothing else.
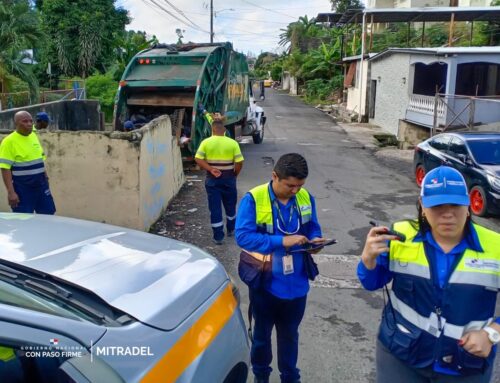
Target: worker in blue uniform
(22, 161)
(221, 157)
(438, 324)
(272, 219)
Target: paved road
(351, 186)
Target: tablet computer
(313, 246)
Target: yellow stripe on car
(195, 340)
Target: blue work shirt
(441, 265)
(283, 286)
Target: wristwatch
(493, 335)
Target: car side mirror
(465, 159)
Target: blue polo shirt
(283, 286)
(441, 265)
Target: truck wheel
(258, 137)
(478, 202)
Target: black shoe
(218, 241)
(260, 380)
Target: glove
(201, 108)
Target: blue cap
(42, 116)
(128, 125)
(444, 185)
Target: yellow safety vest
(264, 210)
(474, 268)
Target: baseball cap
(444, 185)
(42, 116)
(128, 125)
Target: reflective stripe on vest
(6, 354)
(428, 325)
(264, 209)
(28, 167)
(475, 268)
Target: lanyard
(280, 218)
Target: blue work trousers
(221, 191)
(34, 197)
(286, 314)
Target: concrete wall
(409, 135)
(293, 86)
(392, 75)
(353, 104)
(126, 179)
(65, 115)
(160, 171)
(285, 83)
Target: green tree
(341, 6)
(297, 32)
(128, 45)
(18, 32)
(103, 88)
(83, 34)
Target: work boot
(218, 241)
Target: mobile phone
(401, 236)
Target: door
(438, 154)
(373, 96)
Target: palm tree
(18, 32)
(297, 32)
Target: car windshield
(14, 296)
(486, 152)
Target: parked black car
(475, 154)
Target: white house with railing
(402, 83)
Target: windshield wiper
(49, 289)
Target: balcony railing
(426, 104)
(420, 110)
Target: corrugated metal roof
(440, 51)
(393, 15)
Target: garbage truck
(178, 80)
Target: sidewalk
(363, 133)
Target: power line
(267, 9)
(179, 11)
(192, 25)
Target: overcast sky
(251, 25)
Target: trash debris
(179, 223)
(190, 184)
(162, 232)
(192, 210)
(191, 177)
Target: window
(481, 79)
(430, 79)
(440, 142)
(457, 146)
(486, 151)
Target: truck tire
(258, 137)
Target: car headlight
(494, 181)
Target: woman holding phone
(438, 324)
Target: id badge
(433, 325)
(287, 264)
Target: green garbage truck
(177, 79)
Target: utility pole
(211, 21)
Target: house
(399, 93)
(424, 3)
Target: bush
(320, 89)
(103, 88)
